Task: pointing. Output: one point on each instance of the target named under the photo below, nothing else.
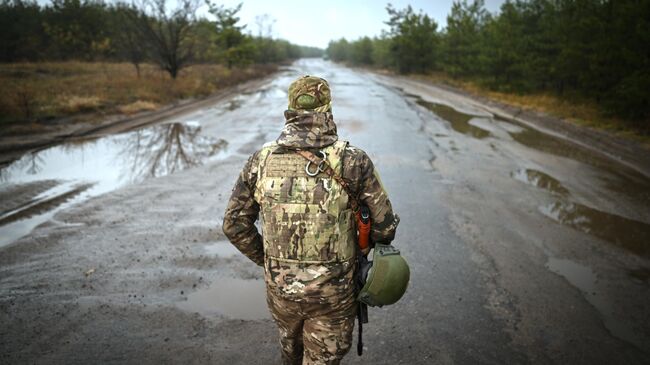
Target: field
(38, 92)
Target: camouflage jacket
(309, 130)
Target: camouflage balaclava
(309, 122)
(310, 93)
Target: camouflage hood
(307, 129)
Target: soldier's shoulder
(259, 155)
(252, 165)
(356, 160)
(269, 144)
(266, 148)
(355, 153)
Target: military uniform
(308, 247)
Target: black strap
(360, 320)
(362, 308)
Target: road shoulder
(14, 145)
(622, 150)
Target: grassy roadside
(581, 113)
(34, 93)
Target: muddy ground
(524, 246)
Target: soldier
(308, 248)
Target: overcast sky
(315, 23)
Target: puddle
(631, 186)
(221, 249)
(95, 167)
(626, 233)
(583, 278)
(460, 122)
(509, 127)
(580, 276)
(619, 178)
(554, 145)
(230, 297)
(540, 180)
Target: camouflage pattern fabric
(308, 248)
(306, 129)
(357, 169)
(308, 228)
(313, 333)
(310, 93)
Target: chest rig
(305, 213)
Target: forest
(138, 32)
(70, 57)
(578, 50)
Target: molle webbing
(305, 218)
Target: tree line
(579, 49)
(137, 32)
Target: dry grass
(584, 113)
(42, 91)
(137, 106)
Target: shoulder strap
(323, 166)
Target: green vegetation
(591, 53)
(142, 31)
(72, 56)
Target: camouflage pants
(313, 333)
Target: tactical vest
(307, 226)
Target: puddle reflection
(89, 168)
(626, 233)
(618, 177)
(540, 180)
(165, 149)
(458, 121)
(556, 146)
(230, 297)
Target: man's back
(308, 248)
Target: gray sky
(315, 23)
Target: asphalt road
(524, 247)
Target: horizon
(360, 18)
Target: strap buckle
(320, 168)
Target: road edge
(119, 123)
(621, 150)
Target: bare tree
(129, 41)
(167, 33)
(167, 148)
(264, 24)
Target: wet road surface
(524, 247)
